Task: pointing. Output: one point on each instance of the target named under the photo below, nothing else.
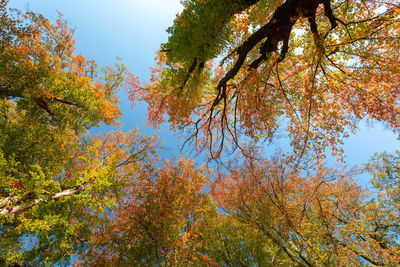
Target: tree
(311, 217)
(386, 173)
(237, 68)
(56, 181)
(155, 224)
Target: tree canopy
(234, 69)
(231, 74)
(56, 181)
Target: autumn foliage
(318, 66)
(55, 179)
(232, 74)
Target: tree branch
(277, 30)
(13, 211)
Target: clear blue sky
(133, 30)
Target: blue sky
(133, 30)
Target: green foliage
(55, 181)
(201, 31)
(385, 169)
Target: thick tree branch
(277, 30)
(9, 211)
(6, 91)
